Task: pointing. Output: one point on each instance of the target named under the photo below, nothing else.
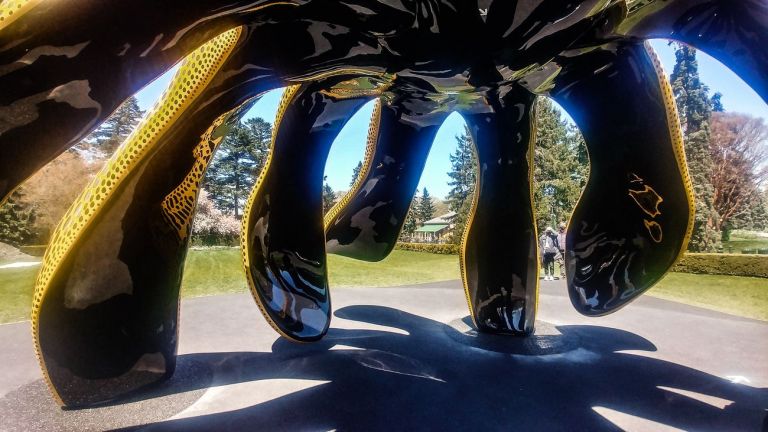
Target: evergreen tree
(237, 163)
(694, 108)
(717, 102)
(560, 165)
(117, 127)
(426, 208)
(16, 221)
(329, 196)
(356, 172)
(410, 225)
(463, 177)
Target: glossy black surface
(283, 233)
(64, 66)
(368, 226)
(500, 256)
(632, 220)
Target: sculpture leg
(499, 257)
(366, 223)
(65, 66)
(105, 317)
(635, 215)
(283, 239)
(733, 31)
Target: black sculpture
(105, 317)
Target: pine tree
(410, 225)
(560, 165)
(237, 163)
(16, 221)
(694, 108)
(117, 127)
(356, 172)
(329, 196)
(426, 208)
(463, 177)
(717, 102)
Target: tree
(463, 177)
(694, 108)
(717, 102)
(117, 127)
(560, 165)
(329, 196)
(425, 209)
(356, 172)
(237, 163)
(410, 225)
(16, 221)
(739, 155)
(211, 227)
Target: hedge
(701, 263)
(442, 249)
(724, 264)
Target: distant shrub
(442, 249)
(724, 264)
(211, 227)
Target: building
(435, 230)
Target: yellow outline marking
(370, 150)
(676, 135)
(194, 75)
(288, 97)
(465, 235)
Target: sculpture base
(546, 339)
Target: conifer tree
(356, 172)
(329, 196)
(560, 165)
(410, 225)
(463, 177)
(426, 208)
(236, 165)
(16, 221)
(694, 108)
(117, 127)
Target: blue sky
(349, 146)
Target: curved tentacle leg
(366, 222)
(499, 254)
(105, 318)
(733, 31)
(634, 218)
(283, 240)
(65, 66)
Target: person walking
(549, 248)
(560, 258)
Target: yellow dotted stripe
(370, 149)
(179, 205)
(288, 96)
(194, 75)
(11, 10)
(676, 134)
(465, 236)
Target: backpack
(548, 244)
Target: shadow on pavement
(439, 378)
(425, 375)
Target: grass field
(745, 240)
(210, 272)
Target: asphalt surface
(406, 358)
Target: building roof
(432, 228)
(441, 220)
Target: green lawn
(743, 296)
(218, 271)
(744, 240)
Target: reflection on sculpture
(105, 318)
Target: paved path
(405, 359)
